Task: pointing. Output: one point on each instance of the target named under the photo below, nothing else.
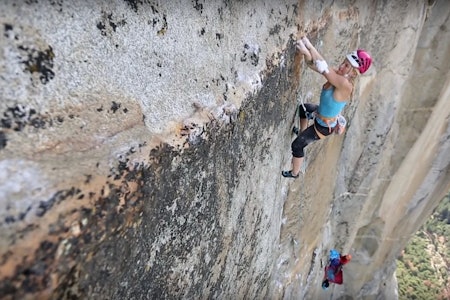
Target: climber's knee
(298, 146)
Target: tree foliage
(422, 268)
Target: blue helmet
(334, 254)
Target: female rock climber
(336, 92)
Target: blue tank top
(328, 106)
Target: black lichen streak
(36, 276)
(109, 24)
(57, 198)
(248, 54)
(58, 4)
(88, 178)
(39, 62)
(275, 30)
(7, 29)
(164, 27)
(19, 116)
(20, 217)
(198, 6)
(3, 140)
(102, 28)
(313, 260)
(158, 19)
(219, 37)
(115, 106)
(33, 276)
(137, 217)
(134, 4)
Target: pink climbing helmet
(360, 59)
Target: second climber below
(335, 94)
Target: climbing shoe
(288, 174)
(295, 130)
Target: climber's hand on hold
(303, 50)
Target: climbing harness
(340, 120)
(338, 129)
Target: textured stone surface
(141, 145)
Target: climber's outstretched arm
(306, 54)
(310, 53)
(318, 64)
(315, 55)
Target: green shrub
(416, 277)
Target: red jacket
(333, 272)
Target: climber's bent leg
(306, 137)
(306, 115)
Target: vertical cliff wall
(141, 145)
(392, 164)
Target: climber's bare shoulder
(342, 87)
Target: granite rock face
(141, 145)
